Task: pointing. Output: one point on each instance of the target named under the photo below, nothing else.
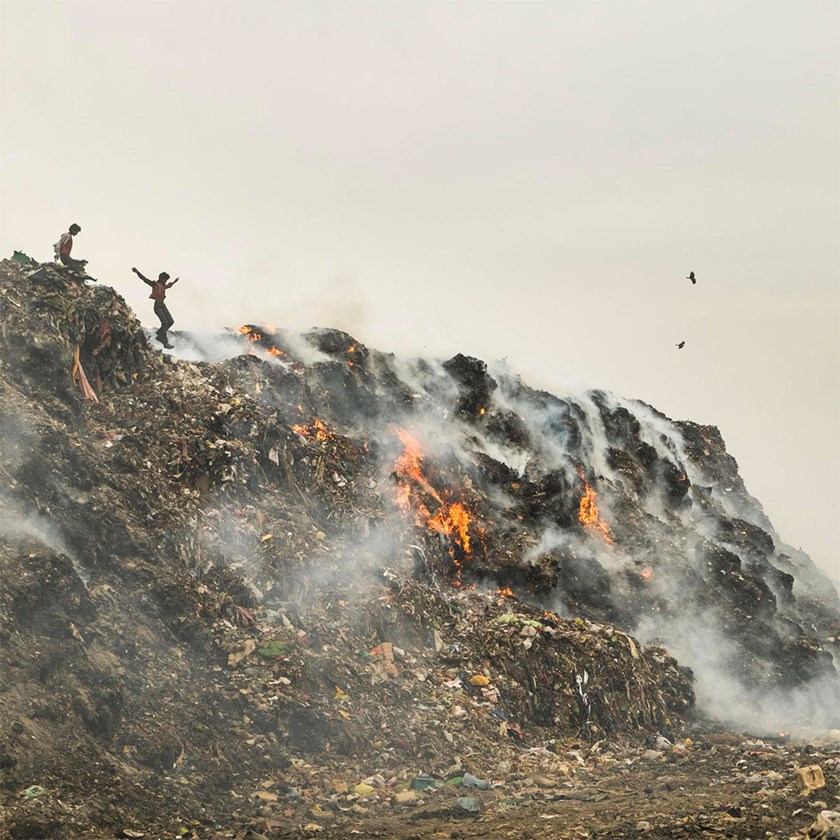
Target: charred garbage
(261, 586)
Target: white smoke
(213, 347)
(17, 523)
(564, 429)
(695, 639)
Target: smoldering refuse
(677, 536)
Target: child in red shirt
(158, 295)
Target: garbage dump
(316, 590)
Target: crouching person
(64, 246)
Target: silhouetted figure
(64, 246)
(681, 345)
(158, 295)
(692, 278)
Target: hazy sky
(529, 180)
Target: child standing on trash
(158, 295)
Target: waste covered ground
(312, 590)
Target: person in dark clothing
(65, 245)
(158, 295)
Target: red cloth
(158, 291)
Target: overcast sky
(527, 180)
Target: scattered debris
(810, 778)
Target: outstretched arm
(170, 285)
(144, 279)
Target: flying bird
(692, 278)
(681, 345)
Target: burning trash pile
(591, 505)
(310, 578)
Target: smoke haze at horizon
(530, 182)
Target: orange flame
(589, 516)
(646, 574)
(452, 519)
(254, 336)
(317, 429)
(409, 466)
(506, 591)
